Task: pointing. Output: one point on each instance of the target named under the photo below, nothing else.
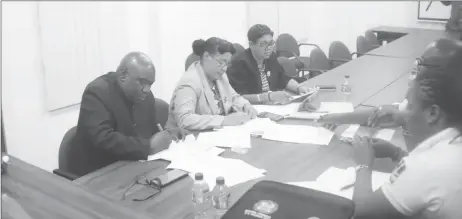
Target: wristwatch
(360, 167)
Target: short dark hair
(213, 45)
(442, 84)
(257, 31)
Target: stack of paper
(278, 109)
(340, 181)
(234, 171)
(228, 138)
(299, 134)
(324, 109)
(189, 147)
(254, 126)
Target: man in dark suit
(256, 73)
(117, 117)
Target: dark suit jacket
(245, 78)
(110, 127)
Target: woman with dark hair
(203, 98)
(427, 183)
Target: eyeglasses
(223, 64)
(142, 180)
(267, 45)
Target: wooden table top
(394, 93)
(43, 195)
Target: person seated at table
(256, 73)
(427, 182)
(203, 98)
(117, 117)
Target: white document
(385, 134)
(299, 134)
(229, 138)
(306, 115)
(349, 133)
(257, 125)
(189, 147)
(278, 109)
(234, 171)
(336, 107)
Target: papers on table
(349, 134)
(336, 107)
(228, 138)
(334, 180)
(299, 134)
(234, 171)
(278, 109)
(385, 134)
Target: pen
(347, 187)
(160, 127)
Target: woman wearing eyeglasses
(203, 98)
(256, 73)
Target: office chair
(290, 69)
(339, 54)
(191, 59)
(238, 47)
(287, 46)
(319, 63)
(361, 46)
(372, 40)
(66, 159)
(161, 111)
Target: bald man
(117, 117)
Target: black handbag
(273, 200)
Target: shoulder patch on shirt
(397, 171)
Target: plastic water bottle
(220, 198)
(346, 88)
(200, 199)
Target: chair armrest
(308, 44)
(376, 46)
(65, 174)
(357, 54)
(339, 60)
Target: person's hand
(250, 111)
(234, 119)
(178, 133)
(383, 149)
(386, 117)
(303, 90)
(364, 153)
(279, 97)
(160, 141)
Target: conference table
(284, 162)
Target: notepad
(385, 134)
(278, 109)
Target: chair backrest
(191, 59)
(319, 60)
(361, 46)
(286, 46)
(288, 66)
(239, 48)
(161, 111)
(339, 51)
(66, 151)
(371, 38)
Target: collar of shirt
(445, 136)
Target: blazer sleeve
(98, 123)
(184, 111)
(238, 100)
(238, 77)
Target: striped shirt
(264, 78)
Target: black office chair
(372, 40)
(191, 59)
(361, 46)
(161, 111)
(339, 54)
(239, 48)
(287, 46)
(319, 63)
(66, 159)
(290, 69)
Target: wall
(163, 30)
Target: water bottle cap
(199, 176)
(220, 180)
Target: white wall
(163, 30)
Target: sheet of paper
(299, 134)
(350, 132)
(336, 107)
(229, 138)
(306, 115)
(234, 171)
(278, 109)
(385, 134)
